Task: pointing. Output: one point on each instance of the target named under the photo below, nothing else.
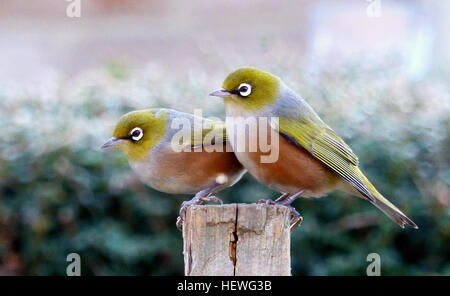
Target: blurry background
(377, 71)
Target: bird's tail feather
(392, 211)
(385, 205)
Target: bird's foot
(296, 218)
(267, 202)
(273, 202)
(195, 201)
(286, 200)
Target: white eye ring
(136, 134)
(245, 89)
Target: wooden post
(237, 239)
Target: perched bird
(312, 159)
(168, 154)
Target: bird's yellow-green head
(249, 88)
(136, 132)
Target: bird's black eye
(244, 89)
(136, 134)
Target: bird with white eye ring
(312, 159)
(163, 168)
(136, 134)
(244, 89)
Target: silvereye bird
(146, 138)
(312, 159)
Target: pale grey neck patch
(291, 105)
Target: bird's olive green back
(154, 127)
(265, 88)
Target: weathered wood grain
(237, 239)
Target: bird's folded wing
(214, 132)
(325, 145)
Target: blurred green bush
(60, 194)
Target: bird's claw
(212, 199)
(286, 200)
(267, 202)
(179, 223)
(195, 201)
(296, 218)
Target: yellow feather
(329, 148)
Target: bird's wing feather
(214, 133)
(325, 145)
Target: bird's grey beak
(223, 93)
(112, 142)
